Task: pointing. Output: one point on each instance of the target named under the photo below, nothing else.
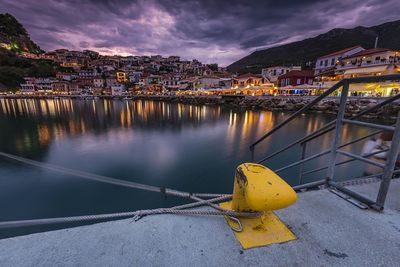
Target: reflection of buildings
(50, 120)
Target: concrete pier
(330, 231)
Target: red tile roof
(369, 52)
(341, 51)
(298, 73)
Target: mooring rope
(106, 179)
(179, 210)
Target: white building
(331, 60)
(272, 73)
(213, 82)
(171, 80)
(117, 89)
(37, 85)
(370, 62)
(29, 86)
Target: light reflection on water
(191, 148)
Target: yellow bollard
(258, 189)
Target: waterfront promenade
(330, 232)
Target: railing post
(390, 165)
(338, 130)
(303, 155)
(252, 153)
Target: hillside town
(87, 73)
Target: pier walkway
(330, 231)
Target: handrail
(358, 115)
(329, 126)
(389, 168)
(305, 108)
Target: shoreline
(328, 105)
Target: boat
(378, 150)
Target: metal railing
(336, 148)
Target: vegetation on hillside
(14, 39)
(13, 69)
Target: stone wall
(329, 105)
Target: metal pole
(338, 130)
(355, 195)
(303, 155)
(390, 165)
(309, 185)
(303, 160)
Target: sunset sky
(212, 31)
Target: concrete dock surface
(330, 232)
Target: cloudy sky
(209, 30)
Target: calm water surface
(190, 148)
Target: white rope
(106, 179)
(179, 210)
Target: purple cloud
(212, 31)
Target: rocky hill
(306, 52)
(14, 40)
(14, 37)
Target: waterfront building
(296, 77)
(28, 87)
(44, 85)
(297, 82)
(331, 60)
(37, 86)
(211, 82)
(272, 73)
(371, 62)
(247, 80)
(251, 84)
(60, 87)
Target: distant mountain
(308, 50)
(14, 37)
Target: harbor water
(185, 147)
